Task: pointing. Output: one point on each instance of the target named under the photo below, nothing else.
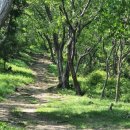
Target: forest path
(20, 108)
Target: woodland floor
(20, 108)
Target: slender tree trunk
(52, 53)
(50, 48)
(107, 68)
(119, 65)
(118, 83)
(106, 80)
(114, 68)
(107, 72)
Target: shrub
(96, 77)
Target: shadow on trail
(92, 120)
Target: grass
(5, 126)
(20, 75)
(53, 69)
(83, 112)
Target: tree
(9, 46)
(75, 14)
(54, 31)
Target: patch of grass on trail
(84, 112)
(20, 75)
(5, 126)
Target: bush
(125, 97)
(92, 84)
(125, 89)
(96, 77)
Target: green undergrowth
(37, 49)
(84, 112)
(26, 57)
(53, 69)
(92, 85)
(6, 126)
(20, 75)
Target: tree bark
(5, 7)
(60, 66)
(71, 48)
(50, 48)
(66, 76)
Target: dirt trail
(30, 98)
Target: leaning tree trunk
(5, 6)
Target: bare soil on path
(29, 98)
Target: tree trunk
(50, 48)
(71, 67)
(119, 65)
(59, 66)
(114, 59)
(65, 80)
(5, 7)
(118, 83)
(107, 68)
(52, 53)
(106, 80)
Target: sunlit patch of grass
(5, 126)
(18, 76)
(84, 112)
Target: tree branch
(66, 15)
(85, 8)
